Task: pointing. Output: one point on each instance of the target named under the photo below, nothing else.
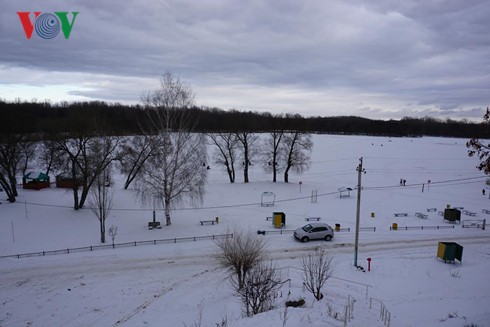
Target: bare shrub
(259, 287)
(112, 233)
(239, 254)
(198, 322)
(317, 269)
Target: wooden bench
(486, 211)
(459, 208)
(469, 213)
(431, 209)
(421, 215)
(154, 225)
(313, 218)
(268, 218)
(400, 214)
(207, 222)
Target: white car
(314, 231)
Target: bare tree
(296, 151)
(226, 151)
(259, 288)
(247, 141)
(12, 154)
(100, 201)
(85, 158)
(271, 153)
(317, 269)
(133, 155)
(481, 150)
(113, 233)
(174, 171)
(239, 254)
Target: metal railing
(117, 245)
(421, 227)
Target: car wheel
(328, 238)
(305, 239)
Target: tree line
(41, 117)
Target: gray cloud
(384, 59)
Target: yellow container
(279, 219)
(372, 214)
(394, 226)
(337, 227)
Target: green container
(452, 215)
(449, 251)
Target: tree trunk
(167, 212)
(274, 170)
(75, 184)
(83, 197)
(245, 163)
(75, 197)
(230, 175)
(245, 172)
(230, 170)
(8, 190)
(13, 186)
(286, 175)
(102, 229)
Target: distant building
(35, 181)
(63, 181)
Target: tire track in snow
(156, 296)
(293, 253)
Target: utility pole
(360, 171)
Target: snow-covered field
(166, 284)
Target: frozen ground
(163, 285)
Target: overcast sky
(370, 58)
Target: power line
(431, 183)
(452, 182)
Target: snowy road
(149, 258)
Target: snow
(165, 284)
